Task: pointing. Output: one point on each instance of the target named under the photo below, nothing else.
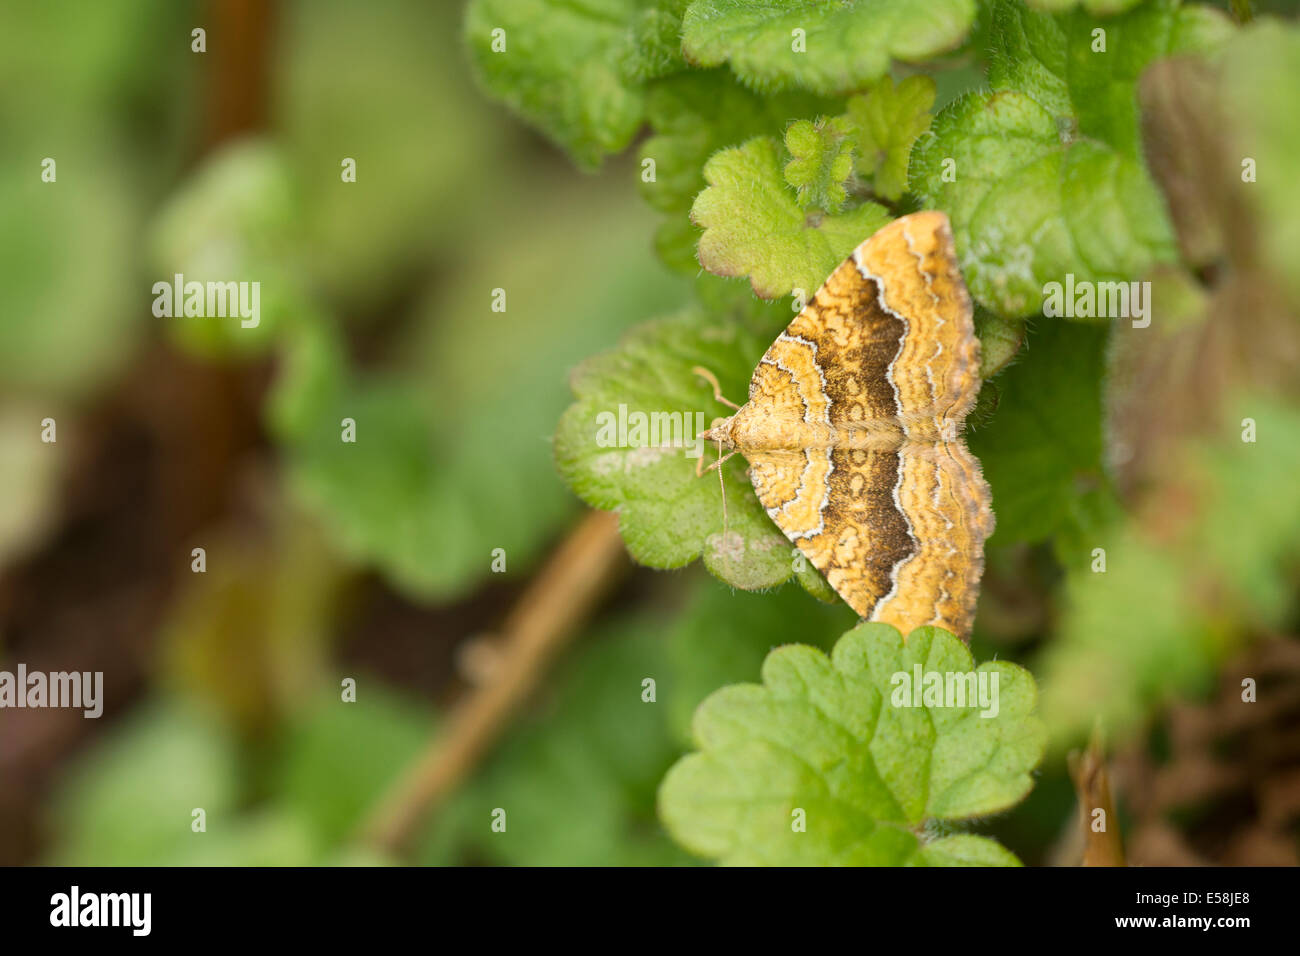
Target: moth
(853, 431)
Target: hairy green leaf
(575, 70)
(888, 119)
(1043, 177)
(654, 44)
(827, 48)
(1100, 7)
(754, 225)
(694, 115)
(840, 745)
(822, 162)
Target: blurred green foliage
(577, 780)
(132, 802)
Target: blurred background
(222, 688)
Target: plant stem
(545, 618)
(1092, 784)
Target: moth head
(720, 431)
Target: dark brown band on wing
(856, 340)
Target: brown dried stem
(1101, 847)
(546, 617)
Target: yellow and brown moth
(853, 431)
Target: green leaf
(1044, 176)
(755, 227)
(1000, 341)
(128, 801)
(1099, 7)
(72, 314)
(694, 115)
(654, 43)
(722, 636)
(842, 46)
(964, 849)
(822, 162)
(888, 119)
(668, 515)
(840, 739)
(1043, 447)
(235, 219)
(571, 69)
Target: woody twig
(544, 620)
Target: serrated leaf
(821, 163)
(667, 515)
(1043, 176)
(569, 68)
(888, 120)
(694, 115)
(755, 227)
(841, 46)
(839, 739)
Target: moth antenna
(712, 379)
(723, 487)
